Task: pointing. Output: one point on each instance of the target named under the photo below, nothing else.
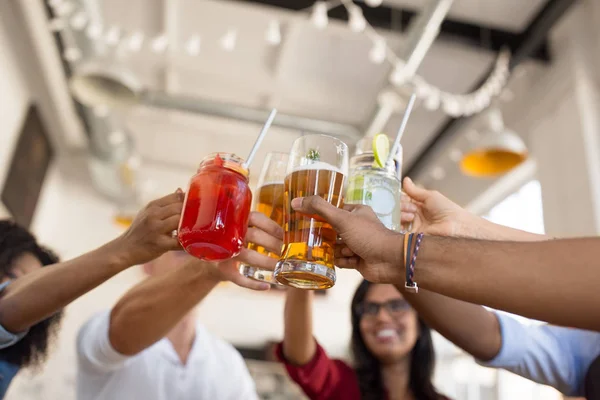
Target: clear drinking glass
(268, 199)
(376, 187)
(318, 165)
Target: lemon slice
(381, 149)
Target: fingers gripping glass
(318, 165)
(393, 307)
(268, 199)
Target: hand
(368, 246)
(150, 234)
(431, 213)
(264, 232)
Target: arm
(554, 281)
(151, 309)
(58, 285)
(299, 346)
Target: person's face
(389, 326)
(166, 263)
(23, 265)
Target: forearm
(298, 343)
(554, 281)
(151, 309)
(480, 228)
(36, 296)
(471, 327)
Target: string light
(79, 21)
(193, 45)
(159, 44)
(72, 54)
(135, 41)
(229, 41)
(356, 20)
(273, 35)
(432, 97)
(378, 51)
(319, 16)
(94, 31)
(113, 36)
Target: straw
(411, 103)
(260, 138)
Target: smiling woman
(392, 349)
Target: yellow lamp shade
(499, 151)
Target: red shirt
(323, 378)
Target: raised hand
(368, 246)
(264, 232)
(432, 213)
(150, 234)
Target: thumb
(315, 205)
(417, 193)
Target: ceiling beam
(398, 20)
(529, 41)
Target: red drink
(216, 209)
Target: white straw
(411, 103)
(260, 138)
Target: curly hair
(367, 366)
(16, 241)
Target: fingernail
(179, 191)
(297, 202)
(265, 286)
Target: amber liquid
(308, 239)
(270, 203)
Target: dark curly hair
(16, 241)
(367, 366)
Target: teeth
(386, 333)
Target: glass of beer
(268, 199)
(318, 165)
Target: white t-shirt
(214, 369)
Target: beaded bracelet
(410, 263)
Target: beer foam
(317, 165)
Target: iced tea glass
(268, 200)
(318, 165)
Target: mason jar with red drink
(216, 209)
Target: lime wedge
(381, 149)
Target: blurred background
(107, 104)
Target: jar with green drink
(374, 184)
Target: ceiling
(322, 74)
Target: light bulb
(94, 31)
(399, 75)
(452, 106)
(113, 36)
(319, 16)
(229, 41)
(356, 21)
(438, 173)
(79, 20)
(378, 51)
(135, 41)
(432, 102)
(455, 155)
(373, 3)
(273, 35)
(193, 45)
(159, 44)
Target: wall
(15, 96)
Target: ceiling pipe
(422, 33)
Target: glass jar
(216, 209)
(378, 188)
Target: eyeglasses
(393, 307)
